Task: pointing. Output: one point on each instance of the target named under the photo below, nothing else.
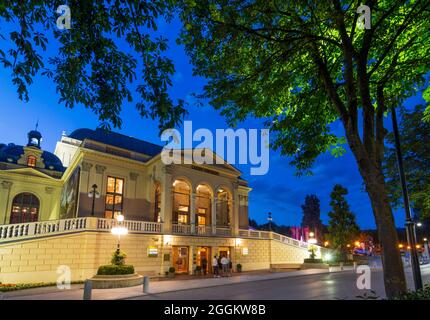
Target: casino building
(59, 208)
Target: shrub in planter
(172, 270)
(112, 269)
(422, 294)
(118, 258)
(239, 267)
(310, 260)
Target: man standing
(215, 267)
(225, 262)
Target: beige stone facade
(176, 214)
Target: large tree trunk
(394, 276)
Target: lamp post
(119, 230)
(93, 194)
(269, 218)
(410, 225)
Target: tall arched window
(203, 205)
(25, 208)
(223, 207)
(181, 202)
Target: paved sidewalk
(155, 287)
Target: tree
(311, 215)
(342, 227)
(111, 45)
(305, 64)
(415, 137)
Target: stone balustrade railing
(12, 232)
(272, 235)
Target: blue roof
(13, 152)
(117, 140)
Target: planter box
(116, 281)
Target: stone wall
(37, 260)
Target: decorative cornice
(100, 169)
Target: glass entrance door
(204, 259)
(180, 259)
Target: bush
(113, 269)
(172, 270)
(118, 258)
(4, 287)
(239, 267)
(422, 294)
(313, 260)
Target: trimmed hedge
(112, 269)
(313, 260)
(5, 287)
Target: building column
(235, 217)
(193, 212)
(213, 212)
(166, 200)
(5, 201)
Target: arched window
(31, 161)
(181, 202)
(25, 208)
(223, 207)
(157, 203)
(203, 205)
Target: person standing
(215, 267)
(204, 265)
(224, 263)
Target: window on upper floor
(31, 161)
(114, 197)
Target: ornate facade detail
(168, 169)
(134, 176)
(7, 184)
(86, 166)
(100, 169)
(49, 190)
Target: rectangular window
(114, 197)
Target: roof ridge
(130, 137)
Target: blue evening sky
(279, 191)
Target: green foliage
(113, 269)
(312, 251)
(118, 258)
(4, 287)
(239, 267)
(304, 64)
(342, 226)
(415, 139)
(172, 270)
(313, 260)
(423, 294)
(111, 49)
(311, 214)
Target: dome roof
(11, 153)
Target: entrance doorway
(180, 259)
(204, 253)
(224, 252)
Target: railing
(223, 232)
(272, 235)
(181, 229)
(204, 230)
(52, 227)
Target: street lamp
(410, 226)
(312, 239)
(419, 224)
(269, 218)
(119, 230)
(93, 194)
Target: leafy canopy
(305, 64)
(415, 138)
(112, 45)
